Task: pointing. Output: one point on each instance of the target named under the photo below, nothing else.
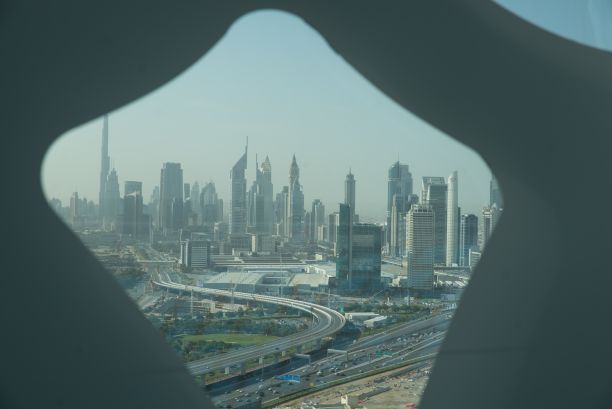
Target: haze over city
(274, 79)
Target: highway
(412, 350)
(438, 321)
(326, 323)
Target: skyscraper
(490, 216)
(135, 223)
(399, 185)
(344, 247)
(195, 198)
(317, 218)
(349, 193)
(238, 199)
(358, 254)
(281, 208)
(295, 213)
(468, 238)
(210, 205)
(434, 194)
(420, 247)
(398, 217)
(262, 198)
(112, 201)
(452, 220)
(401, 204)
(366, 258)
(195, 251)
(332, 229)
(153, 206)
(76, 218)
(131, 186)
(251, 204)
(104, 169)
(495, 195)
(171, 197)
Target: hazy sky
(275, 79)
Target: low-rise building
(375, 322)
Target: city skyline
(322, 111)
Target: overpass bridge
(326, 323)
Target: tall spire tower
(104, 168)
(349, 193)
(295, 205)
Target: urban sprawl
(272, 303)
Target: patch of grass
(241, 339)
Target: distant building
(263, 198)
(263, 243)
(360, 317)
(358, 254)
(344, 248)
(434, 194)
(295, 212)
(131, 186)
(220, 231)
(399, 184)
(349, 193)
(104, 169)
(375, 322)
(153, 207)
(195, 252)
(321, 233)
(241, 242)
(490, 216)
(317, 219)
(468, 237)
(332, 228)
(397, 236)
(171, 197)
(76, 218)
(420, 247)
(238, 201)
(474, 258)
(195, 199)
(190, 217)
(135, 222)
(495, 195)
(112, 201)
(366, 258)
(211, 210)
(281, 206)
(452, 221)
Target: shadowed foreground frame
(534, 106)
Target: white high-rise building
(420, 247)
(452, 221)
